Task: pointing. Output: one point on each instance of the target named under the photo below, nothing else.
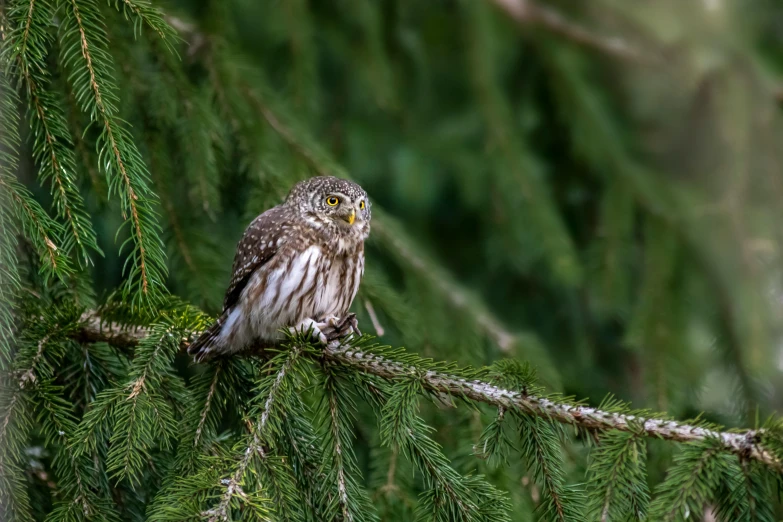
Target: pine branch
(581, 416)
(10, 283)
(53, 146)
(275, 395)
(338, 407)
(85, 53)
(18, 205)
(396, 365)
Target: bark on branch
(745, 444)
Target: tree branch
(744, 444)
(526, 12)
(583, 416)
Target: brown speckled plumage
(297, 262)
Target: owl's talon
(349, 325)
(344, 327)
(330, 328)
(314, 328)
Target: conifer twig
(379, 330)
(744, 444)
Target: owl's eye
(361, 205)
(332, 201)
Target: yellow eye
(361, 205)
(332, 201)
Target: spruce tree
(570, 201)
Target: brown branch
(379, 330)
(95, 330)
(582, 416)
(526, 13)
(744, 444)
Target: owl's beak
(350, 218)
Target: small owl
(297, 264)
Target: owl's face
(336, 203)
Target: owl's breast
(310, 284)
(338, 284)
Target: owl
(297, 264)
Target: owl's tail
(207, 344)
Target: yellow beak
(351, 217)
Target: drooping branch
(744, 444)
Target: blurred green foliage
(592, 187)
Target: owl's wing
(258, 245)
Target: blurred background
(593, 187)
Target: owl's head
(335, 203)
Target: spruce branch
(18, 206)
(342, 489)
(53, 146)
(617, 476)
(395, 365)
(577, 415)
(539, 231)
(37, 225)
(338, 407)
(207, 403)
(450, 496)
(259, 435)
(143, 12)
(690, 483)
(41, 348)
(85, 53)
(749, 493)
(541, 449)
(376, 324)
(10, 283)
